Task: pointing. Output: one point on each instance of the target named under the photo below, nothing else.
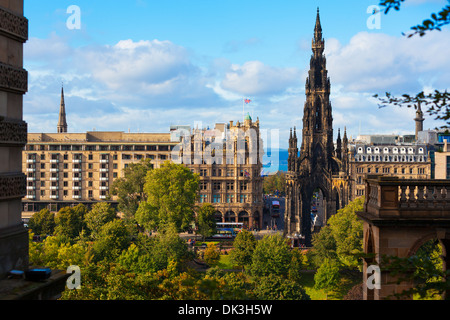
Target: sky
(144, 65)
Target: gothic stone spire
(62, 124)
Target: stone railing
(391, 196)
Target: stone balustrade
(394, 197)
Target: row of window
(55, 147)
(391, 170)
(225, 172)
(385, 158)
(55, 193)
(388, 150)
(229, 185)
(216, 198)
(79, 156)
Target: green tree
(172, 192)
(42, 222)
(205, 220)
(112, 239)
(70, 221)
(275, 287)
(327, 276)
(98, 216)
(271, 256)
(243, 247)
(347, 231)
(341, 239)
(130, 188)
(275, 182)
(211, 254)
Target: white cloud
(255, 78)
(374, 62)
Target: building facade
(229, 162)
(406, 161)
(65, 169)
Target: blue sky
(143, 65)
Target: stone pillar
(13, 136)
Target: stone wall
(13, 133)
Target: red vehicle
(275, 209)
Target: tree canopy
(171, 195)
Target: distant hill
(275, 160)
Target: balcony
(76, 161)
(104, 160)
(104, 187)
(54, 187)
(31, 187)
(103, 197)
(54, 178)
(76, 187)
(391, 198)
(76, 170)
(54, 197)
(31, 169)
(76, 178)
(31, 160)
(104, 178)
(104, 170)
(54, 160)
(31, 178)
(76, 196)
(54, 169)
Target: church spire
(318, 44)
(62, 124)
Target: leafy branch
(438, 103)
(434, 23)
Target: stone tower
(62, 123)
(419, 121)
(319, 165)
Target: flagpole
(243, 108)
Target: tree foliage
(341, 239)
(99, 215)
(171, 195)
(42, 222)
(243, 246)
(435, 22)
(130, 188)
(275, 182)
(327, 276)
(205, 220)
(437, 103)
(70, 221)
(271, 256)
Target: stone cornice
(12, 186)
(13, 26)
(12, 132)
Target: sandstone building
(65, 169)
